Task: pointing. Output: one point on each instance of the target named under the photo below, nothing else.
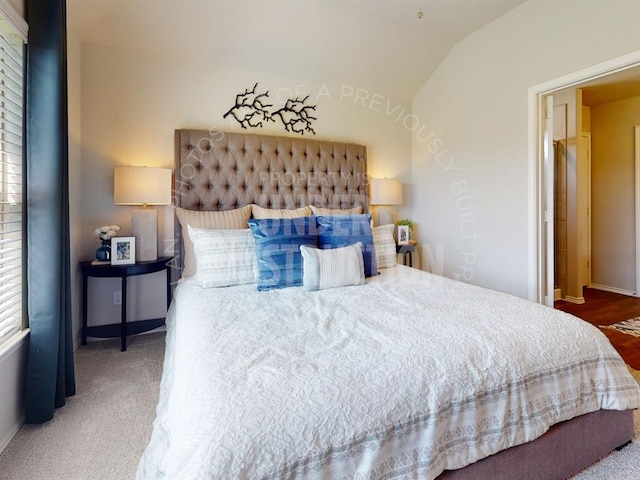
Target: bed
(402, 375)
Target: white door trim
(637, 212)
(587, 136)
(548, 183)
(537, 242)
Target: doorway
(541, 218)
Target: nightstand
(122, 329)
(407, 251)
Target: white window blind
(11, 198)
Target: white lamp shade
(141, 186)
(386, 191)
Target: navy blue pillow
(278, 243)
(336, 231)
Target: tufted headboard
(217, 170)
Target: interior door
(548, 189)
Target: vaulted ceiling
(377, 44)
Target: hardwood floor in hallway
(604, 308)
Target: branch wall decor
(250, 110)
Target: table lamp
(385, 192)
(143, 186)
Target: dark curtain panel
(50, 372)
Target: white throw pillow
(262, 213)
(385, 246)
(224, 257)
(224, 219)
(335, 211)
(335, 267)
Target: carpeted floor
(101, 433)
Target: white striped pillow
(224, 257)
(261, 213)
(385, 246)
(224, 220)
(335, 211)
(330, 268)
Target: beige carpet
(635, 373)
(101, 433)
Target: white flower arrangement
(105, 232)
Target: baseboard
(606, 288)
(576, 300)
(4, 442)
(557, 294)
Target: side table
(122, 329)
(407, 251)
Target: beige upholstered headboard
(217, 170)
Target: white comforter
(403, 377)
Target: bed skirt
(566, 449)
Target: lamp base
(144, 226)
(385, 215)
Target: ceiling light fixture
(420, 13)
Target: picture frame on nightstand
(403, 234)
(123, 250)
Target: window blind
(11, 175)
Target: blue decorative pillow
(278, 243)
(341, 230)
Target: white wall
(470, 161)
(612, 197)
(133, 101)
(75, 167)
(13, 366)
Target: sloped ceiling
(374, 44)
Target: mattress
(403, 377)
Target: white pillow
(262, 213)
(385, 246)
(335, 211)
(225, 219)
(334, 267)
(224, 257)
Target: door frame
(538, 245)
(548, 202)
(587, 160)
(637, 211)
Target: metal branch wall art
(250, 110)
(296, 116)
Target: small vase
(103, 253)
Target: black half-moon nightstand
(407, 252)
(122, 329)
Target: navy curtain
(50, 371)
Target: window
(11, 169)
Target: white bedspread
(403, 377)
